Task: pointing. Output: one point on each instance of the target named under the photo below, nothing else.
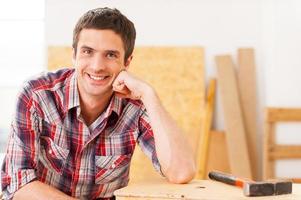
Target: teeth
(97, 77)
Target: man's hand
(127, 85)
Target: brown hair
(107, 18)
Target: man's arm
(18, 174)
(37, 190)
(173, 151)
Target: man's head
(103, 42)
(111, 19)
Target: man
(75, 130)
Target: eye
(87, 51)
(111, 55)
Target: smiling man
(75, 130)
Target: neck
(92, 107)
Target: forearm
(174, 153)
(37, 190)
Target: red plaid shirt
(50, 142)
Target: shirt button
(50, 151)
(113, 166)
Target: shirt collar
(115, 105)
(71, 92)
(72, 97)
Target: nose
(98, 63)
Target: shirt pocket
(52, 156)
(112, 167)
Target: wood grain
(235, 131)
(273, 151)
(195, 190)
(218, 159)
(247, 90)
(203, 146)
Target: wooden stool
(273, 151)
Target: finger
(118, 87)
(119, 79)
(122, 89)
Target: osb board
(195, 190)
(59, 57)
(177, 74)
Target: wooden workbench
(195, 190)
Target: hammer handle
(226, 178)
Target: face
(98, 60)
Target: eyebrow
(107, 51)
(113, 51)
(86, 47)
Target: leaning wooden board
(235, 131)
(205, 137)
(177, 74)
(247, 89)
(218, 157)
(195, 190)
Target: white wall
(272, 27)
(282, 68)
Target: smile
(98, 78)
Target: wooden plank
(283, 114)
(195, 190)
(247, 90)
(218, 155)
(177, 74)
(203, 146)
(285, 152)
(269, 142)
(236, 136)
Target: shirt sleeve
(146, 140)
(20, 160)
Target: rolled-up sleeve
(146, 140)
(19, 165)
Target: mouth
(98, 78)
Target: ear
(73, 56)
(128, 61)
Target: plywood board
(247, 89)
(218, 159)
(235, 131)
(195, 190)
(177, 74)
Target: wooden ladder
(272, 150)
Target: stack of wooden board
(238, 95)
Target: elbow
(182, 175)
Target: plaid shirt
(50, 142)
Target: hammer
(252, 188)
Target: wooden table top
(195, 190)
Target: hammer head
(258, 189)
(283, 187)
(267, 188)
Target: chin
(101, 92)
